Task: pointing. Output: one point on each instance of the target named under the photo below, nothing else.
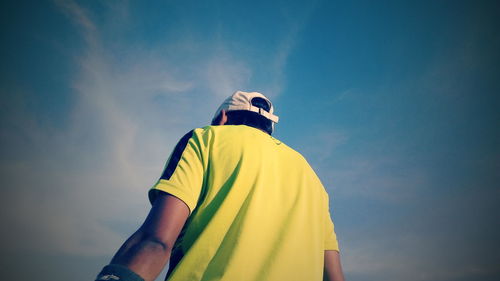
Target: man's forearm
(144, 255)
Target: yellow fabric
(258, 210)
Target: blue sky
(394, 103)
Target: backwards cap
(243, 101)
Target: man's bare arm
(333, 268)
(147, 251)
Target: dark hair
(249, 118)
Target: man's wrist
(117, 272)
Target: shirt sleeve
(183, 173)
(331, 242)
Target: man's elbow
(153, 243)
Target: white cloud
(378, 178)
(79, 16)
(224, 75)
(326, 141)
(70, 184)
(127, 114)
(296, 21)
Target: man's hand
(333, 268)
(147, 251)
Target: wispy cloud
(297, 21)
(223, 74)
(127, 112)
(386, 178)
(395, 161)
(326, 141)
(79, 16)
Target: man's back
(258, 211)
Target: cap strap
(264, 113)
(258, 110)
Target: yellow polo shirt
(258, 210)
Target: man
(234, 203)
